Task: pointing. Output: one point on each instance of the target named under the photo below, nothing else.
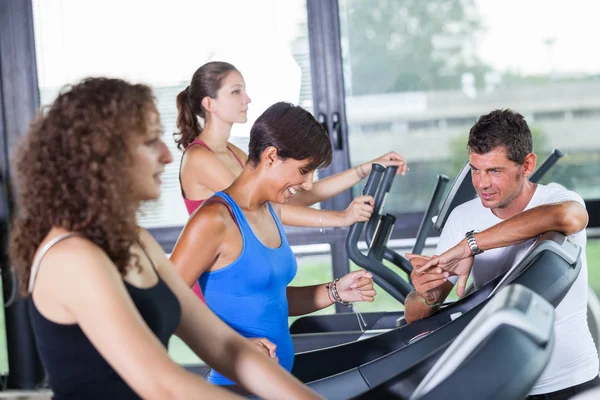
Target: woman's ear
(269, 155)
(207, 103)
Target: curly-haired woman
(104, 299)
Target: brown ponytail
(205, 82)
(187, 122)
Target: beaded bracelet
(333, 294)
(336, 295)
(437, 303)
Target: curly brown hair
(69, 170)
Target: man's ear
(269, 156)
(529, 164)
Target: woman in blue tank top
(235, 245)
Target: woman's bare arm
(92, 290)
(221, 347)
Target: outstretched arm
(328, 187)
(221, 347)
(359, 210)
(92, 290)
(353, 287)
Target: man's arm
(568, 217)
(430, 286)
(414, 307)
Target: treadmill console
(514, 306)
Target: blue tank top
(250, 293)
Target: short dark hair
(295, 134)
(501, 128)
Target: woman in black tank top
(103, 297)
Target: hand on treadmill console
(427, 283)
(456, 261)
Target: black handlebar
(380, 197)
(546, 165)
(381, 237)
(383, 276)
(431, 211)
(377, 171)
(384, 188)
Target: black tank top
(76, 370)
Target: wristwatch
(472, 243)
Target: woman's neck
(216, 134)
(248, 189)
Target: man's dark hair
(501, 128)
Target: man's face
(497, 180)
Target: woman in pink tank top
(192, 205)
(210, 163)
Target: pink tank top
(192, 205)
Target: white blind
(163, 50)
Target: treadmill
(305, 366)
(515, 329)
(549, 269)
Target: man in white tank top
(484, 238)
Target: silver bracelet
(329, 292)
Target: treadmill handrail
(382, 235)
(384, 188)
(462, 186)
(430, 211)
(424, 228)
(382, 273)
(545, 166)
(534, 316)
(380, 197)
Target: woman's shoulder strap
(198, 142)
(38, 260)
(218, 198)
